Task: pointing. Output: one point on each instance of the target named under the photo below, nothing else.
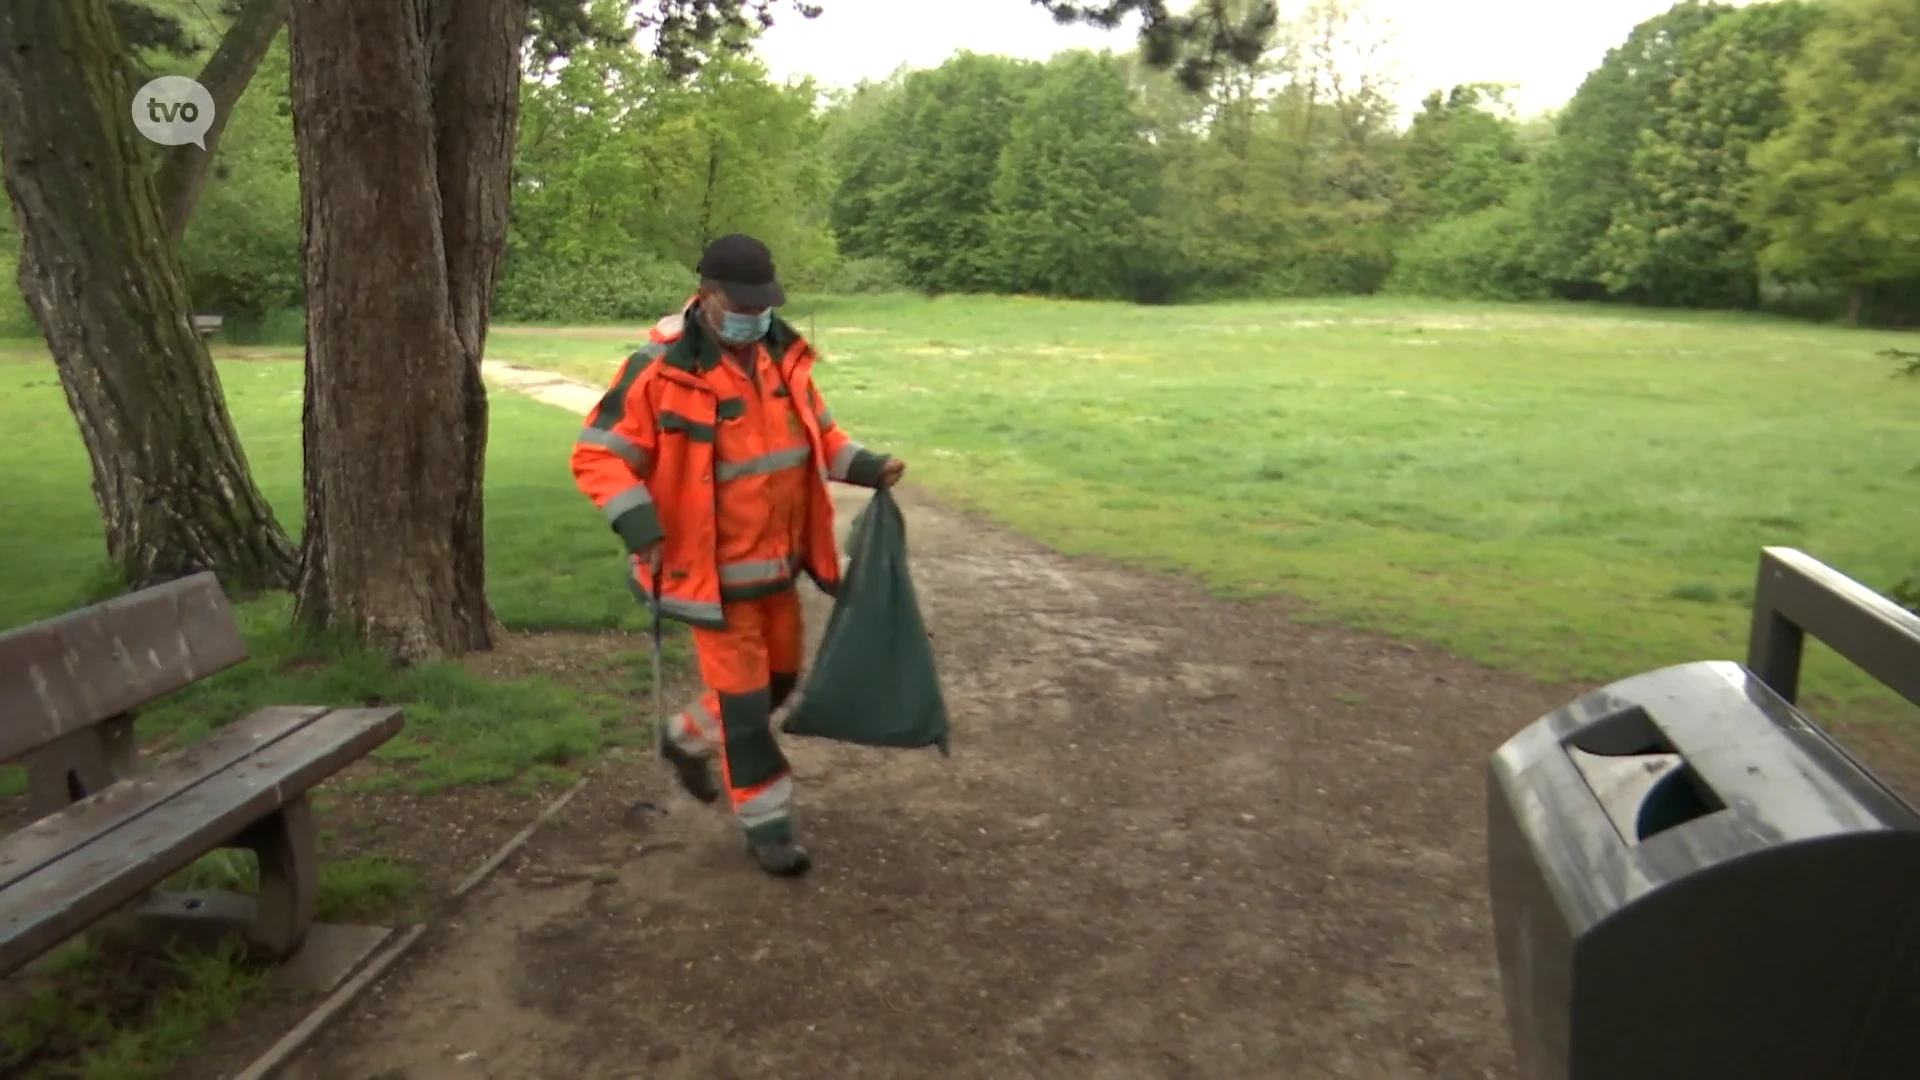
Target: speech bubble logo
(173, 110)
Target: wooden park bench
(207, 325)
(108, 831)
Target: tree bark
(404, 121)
(100, 275)
(1854, 301)
(477, 111)
(226, 75)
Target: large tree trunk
(226, 75)
(477, 117)
(100, 274)
(404, 118)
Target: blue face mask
(738, 329)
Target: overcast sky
(1545, 46)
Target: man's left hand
(890, 472)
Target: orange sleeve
(847, 461)
(613, 458)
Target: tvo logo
(173, 110)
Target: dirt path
(1179, 837)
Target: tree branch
(144, 28)
(225, 76)
(1197, 44)
(686, 32)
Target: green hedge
(1482, 256)
(638, 289)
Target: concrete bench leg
(274, 923)
(278, 925)
(288, 847)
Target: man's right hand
(654, 556)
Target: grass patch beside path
(1573, 492)
(110, 1016)
(102, 1018)
(552, 566)
(552, 563)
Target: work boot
(781, 858)
(695, 774)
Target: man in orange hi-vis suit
(710, 457)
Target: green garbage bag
(873, 681)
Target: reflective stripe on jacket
(650, 458)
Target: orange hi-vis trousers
(748, 669)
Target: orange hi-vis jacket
(730, 471)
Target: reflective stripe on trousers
(755, 775)
(695, 729)
(766, 805)
(748, 667)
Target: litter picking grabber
(644, 810)
(659, 713)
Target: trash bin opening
(1629, 732)
(1679, 797)
(1641, 781)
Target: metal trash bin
(1691, 880)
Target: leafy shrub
(1481, 256)
(16, 321)
(281, 326)
(243, 261)
(591, 289)
(862, 277)
(1337, 268)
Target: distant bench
(109, 831)
(207, 325)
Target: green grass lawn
(1573, 492)
(552, 566)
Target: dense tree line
(1719, 157)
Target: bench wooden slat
(72, 893)
(46, 840)
(65, 674)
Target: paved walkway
(543, 386)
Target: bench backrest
(74, 671)
(207, 324)
(1797, 595)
